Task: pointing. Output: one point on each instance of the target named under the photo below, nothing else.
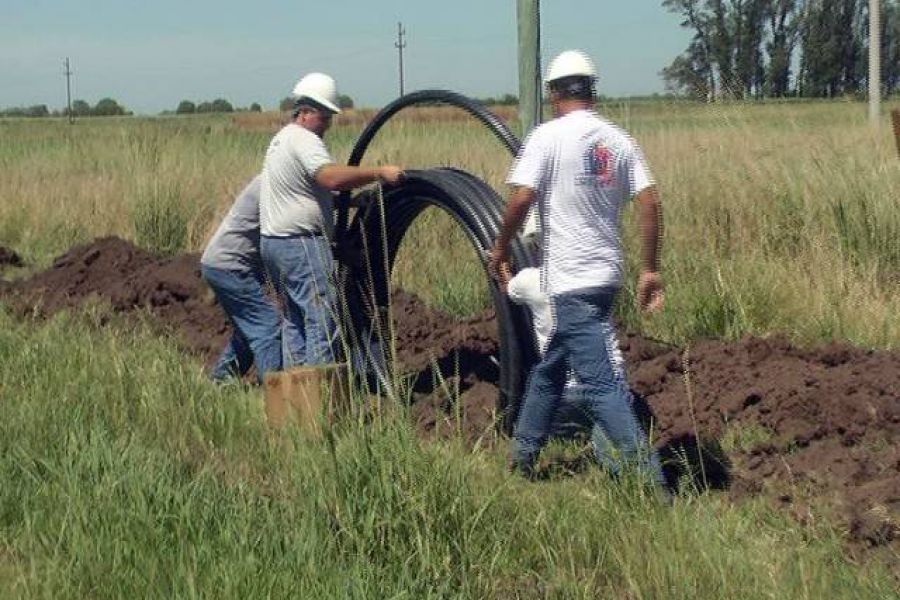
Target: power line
(68, 74)
(400, 45)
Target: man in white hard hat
(581, 170)
(231, 266)
(297, 221)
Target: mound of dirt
(797, 423)
(822, 422)
(9, 258)
(129, 279)
(463, 352)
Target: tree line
(776, 48)
(105, 107)
(219, 105)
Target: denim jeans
(257, 324)
(301, 268)
(577, 343)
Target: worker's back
(584, 170)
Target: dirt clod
(9, 258)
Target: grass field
(124, 473)
(779, 217)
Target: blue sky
(150, 54)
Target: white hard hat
(320, 88)
(569, 64)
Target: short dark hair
(304, 102)
(574, 87)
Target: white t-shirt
(525, 288)
(291, 202)
(583, 169)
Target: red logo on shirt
(600, 162)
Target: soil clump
(796, 424)
(9, 258)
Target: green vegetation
(124, 473)
(779, 216)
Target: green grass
(124, 473)
(780, 217)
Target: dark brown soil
(129, 279)
(798, 424)
(9, 258)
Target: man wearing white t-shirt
(296, 219)
(581, 170)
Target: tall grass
(779, 217)
(124, 473)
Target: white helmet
(571, 63)
(320, 88)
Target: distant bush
(107, 107)
(37, 110)
(219, 105)
(186, 107)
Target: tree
(186, 107)
(698, 61)
(220, 105)
(785, 25)
(286, 104)
(890, 47)
(689, 74)
(107, 107)
(344, 101)
(38, 110)
(255, 107)
(80, 108)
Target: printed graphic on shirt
(599, 166)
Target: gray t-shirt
(291, 201)
(235, 245)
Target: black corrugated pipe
(477, 209)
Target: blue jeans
(257, 324)
(578, 344)
(300, 268)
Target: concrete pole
(874, 62)
(529, 16)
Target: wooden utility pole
(895, 118)
(874, 62)
(529, 16)
(68, 74)
(400, 45)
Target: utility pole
(529, 17)
(68, 75)
(874, 62)
(400, 45)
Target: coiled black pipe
(474, 205)
(378, 236)
(490, 120)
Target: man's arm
(340, 178)
(650, 294)
(516, 211)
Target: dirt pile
(463, 352)
(129, 279)
(796, 423)
(820, 422)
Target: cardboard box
(307, 396)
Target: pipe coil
(377, 233)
